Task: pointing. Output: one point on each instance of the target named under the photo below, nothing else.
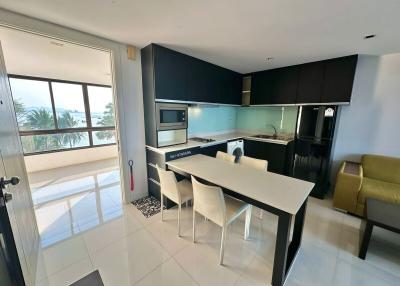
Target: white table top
(282, 192)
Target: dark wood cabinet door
(311, 78)
(170, 74)
(213, 149)
(285, 85)
(196, 80)
(262, 85)
(338, 80)
(230, 87)
(275, 154)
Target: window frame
(89, 128)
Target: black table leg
(281, 249)
(286, 252)
(365, 240)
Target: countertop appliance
(236, 148)
(171, 116)
(313, 144)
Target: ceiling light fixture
(369, 36)
(270, 58)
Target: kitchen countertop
(220, 138)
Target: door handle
(4, 183)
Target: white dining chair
(258, 164)
(221, 209)
(179, 192)
(225, 156)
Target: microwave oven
(171, 116)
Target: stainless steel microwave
(171, 116)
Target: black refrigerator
(312, 148)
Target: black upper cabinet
(277, 86)
(338, 80)
(285, 85)
(318, 82)
(170, 74)
(184, 78)
(262, 87)
(311, 79)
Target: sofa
(376, 177)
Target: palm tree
(67, 121)
(108, 119)
(20, 110)
(38, 120)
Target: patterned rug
(148, 206)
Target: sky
(66, 96)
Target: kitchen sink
(264, 136)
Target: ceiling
(236, 34)
(33, 55)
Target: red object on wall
(130, 163)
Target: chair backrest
(225, 156)
(168, 184)
(254, 163)
(381, 168)
(209, 201)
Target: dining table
(284, 196)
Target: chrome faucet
(275, 132)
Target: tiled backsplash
(203, 120)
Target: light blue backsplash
(203, 120)
(211, 119)
(260, 118)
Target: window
(69, 105)
(32, 103)
(101, 106)
(55, 115)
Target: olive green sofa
(376, 177)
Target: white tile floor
(84, 226)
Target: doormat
(92, 279)
(148, 206)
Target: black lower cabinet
(213, 149)
(278, 155)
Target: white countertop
(281, 192)
(220, 138)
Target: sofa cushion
(381, 168)
(380, 190)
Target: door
(338, 80)
(311, 77)
(19, 230)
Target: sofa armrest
(348, 185)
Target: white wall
(128, 87)
(371, 123)
(35, 163)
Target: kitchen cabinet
(278, 155)
(323, 82)
(277, 86)
(338, 79)
(213, 149)
(170, 72)
(311, 80)
(170, 75)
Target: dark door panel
(339, 77)
(285, 85)
(170, 74)
(311, 77)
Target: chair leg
(247, 223)
(221, 252)
(162, 207)
(194, 226)
(179, 219)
